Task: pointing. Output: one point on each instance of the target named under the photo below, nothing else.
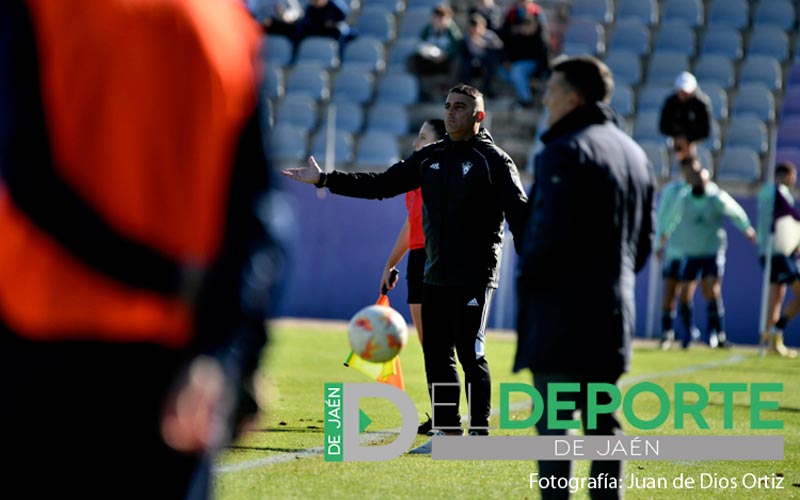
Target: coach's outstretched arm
(309, 174)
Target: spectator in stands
(526, 52)
(437, 50)
(702, 205)
(593, 184)
(325, 18)
(490, 11)
(686, 116)
(277, 17)
(411, 239)
(480, 53)
(783, 268)
(670, 255)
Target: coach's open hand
(308, 174)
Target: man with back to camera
(594, 187)
(469, 188)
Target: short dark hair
(589, 77)
(437, 124)
(785, 168)
(692, 162)
(464, 89)
(442, 9)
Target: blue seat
(722, 41)
(690, 11)
(730, 13)
(353, 84)
(658, 155)
(747, 131)
(675, 36)
(413, 21)
(718, 98)
(599, 11)
(398, 88)
(388, 117)
(714, 140)
(768, 41)
(652, 97)
(377, 150)
(342, 143)
(349, 116)
(273, 82)
(665, 66)
(278, 51)
(762, 69)
(645, 11)
(399, 54)
(425, 4)
(622, 99)
(299, 110)
(377, 22)
(754, 99)
(584, 37)
(739, 164)
(778, 13)
(791, 103)
(714, 69)
(393, 6)
(631, 35)
(318, 49)
(309, 78)
(288, 145)
(625, 66)
(645, 127)
(365, 53)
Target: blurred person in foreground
(594, 186)
(411, 240)
(776, 200)
(137, 260)
(470, 187)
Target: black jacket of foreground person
(590, 231)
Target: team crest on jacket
(465, 167)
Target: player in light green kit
(671, 254)
(702, 205)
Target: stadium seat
(690, 11)
(791, 103)
(704, 156)
(652, 97)
(349, 116)
(645, 11)
(584, 37)
(393, 6)
(665, 66)
(279, 50)
(399, 54)
(761, 69)
(413, 21)
(342, 146)
(377, 22)
(778, 13)
(675, 36)
(626, 66)
(318, 49)
(630, 35)
(645, 127)
(353, 84)
(718, 98)
(425, 4)
(377, 150)
(598, 11)
(365, 53)
(273, 82)
(714, 69)
(789, 133)
(714, 140)
(731, 13)
(288, 145)
(747, 131)
(658, 155)
(722, 41)
(388, 117)
(398, 88)
(622, 99)
(310, 78)
(754, 99)
(299, 110)
(768, 41)
(739, 164)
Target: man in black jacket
(594, 189)
(469, 187)
(686, 116)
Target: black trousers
(82, 420)
(607, 424)
(455, 322)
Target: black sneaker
(425, 427)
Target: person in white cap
(686, 116)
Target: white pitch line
(371, 437)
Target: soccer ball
(377, 333)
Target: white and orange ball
(377, 333)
